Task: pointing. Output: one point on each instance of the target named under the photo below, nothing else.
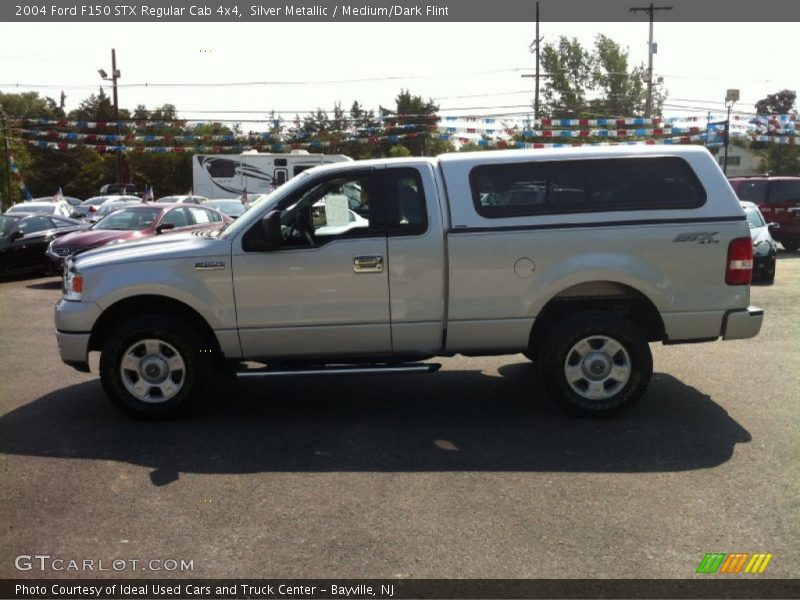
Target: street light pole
(114, 76)
(731, 96)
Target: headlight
(763, 248)
(73, 285)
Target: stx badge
(701, 237)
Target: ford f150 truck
(577, 258)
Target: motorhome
(254, 173)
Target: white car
(59, 209)
(183, 199)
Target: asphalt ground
(469, 473)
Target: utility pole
(7, 199)
(535, 45)
(115, 74)
(652, 48)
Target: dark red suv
(779, 201)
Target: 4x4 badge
(701, 237)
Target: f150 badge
(209, 266)
(701, 237)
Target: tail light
(92, 209)
(740, 262)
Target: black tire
(177, 337)
(598, 329)
(790, 245)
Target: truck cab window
(335, 208)
(407, 211)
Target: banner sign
(17, 176)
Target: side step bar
(343, 370)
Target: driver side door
(325, 292)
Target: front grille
(64, 251)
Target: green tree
(596, 82)
(413, 115)
(779, 159)
(569, 67)
(27, 105)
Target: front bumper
(743, 323)
(74, 349)
(74, 322)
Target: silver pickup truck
(577, 258)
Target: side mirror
(16, 235)
(165, 227)
(271, 226)
(774, 225)
(75, 215)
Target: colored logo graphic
(737, 562)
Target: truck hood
(179, 245)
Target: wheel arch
(603, 295)
(149, 304)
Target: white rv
(231, 175)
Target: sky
(470, 68)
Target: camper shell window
(591, 185)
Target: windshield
(111, 207)
(754, 218)
(33, 208)
(130, 219)
(7, 225)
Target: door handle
(368, 264)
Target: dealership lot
(471, 472)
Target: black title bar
(395, 10)
(398, 589)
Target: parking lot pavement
(471, 472)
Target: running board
(343, 370)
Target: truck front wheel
(596, 364)
(153, 366)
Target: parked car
(72, 201)
(231, 207)
(630, 245)
(765, 250)
(113, 203)
(118, 188)
(24, 238)
(188, 199)
(134, 222)
(778, 198)
(47, 207)
(89, 206)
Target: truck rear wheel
(154, 366)
(596, 364)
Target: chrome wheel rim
(152, 371)
(597, 367)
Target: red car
(779, 201)
(135, 222)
